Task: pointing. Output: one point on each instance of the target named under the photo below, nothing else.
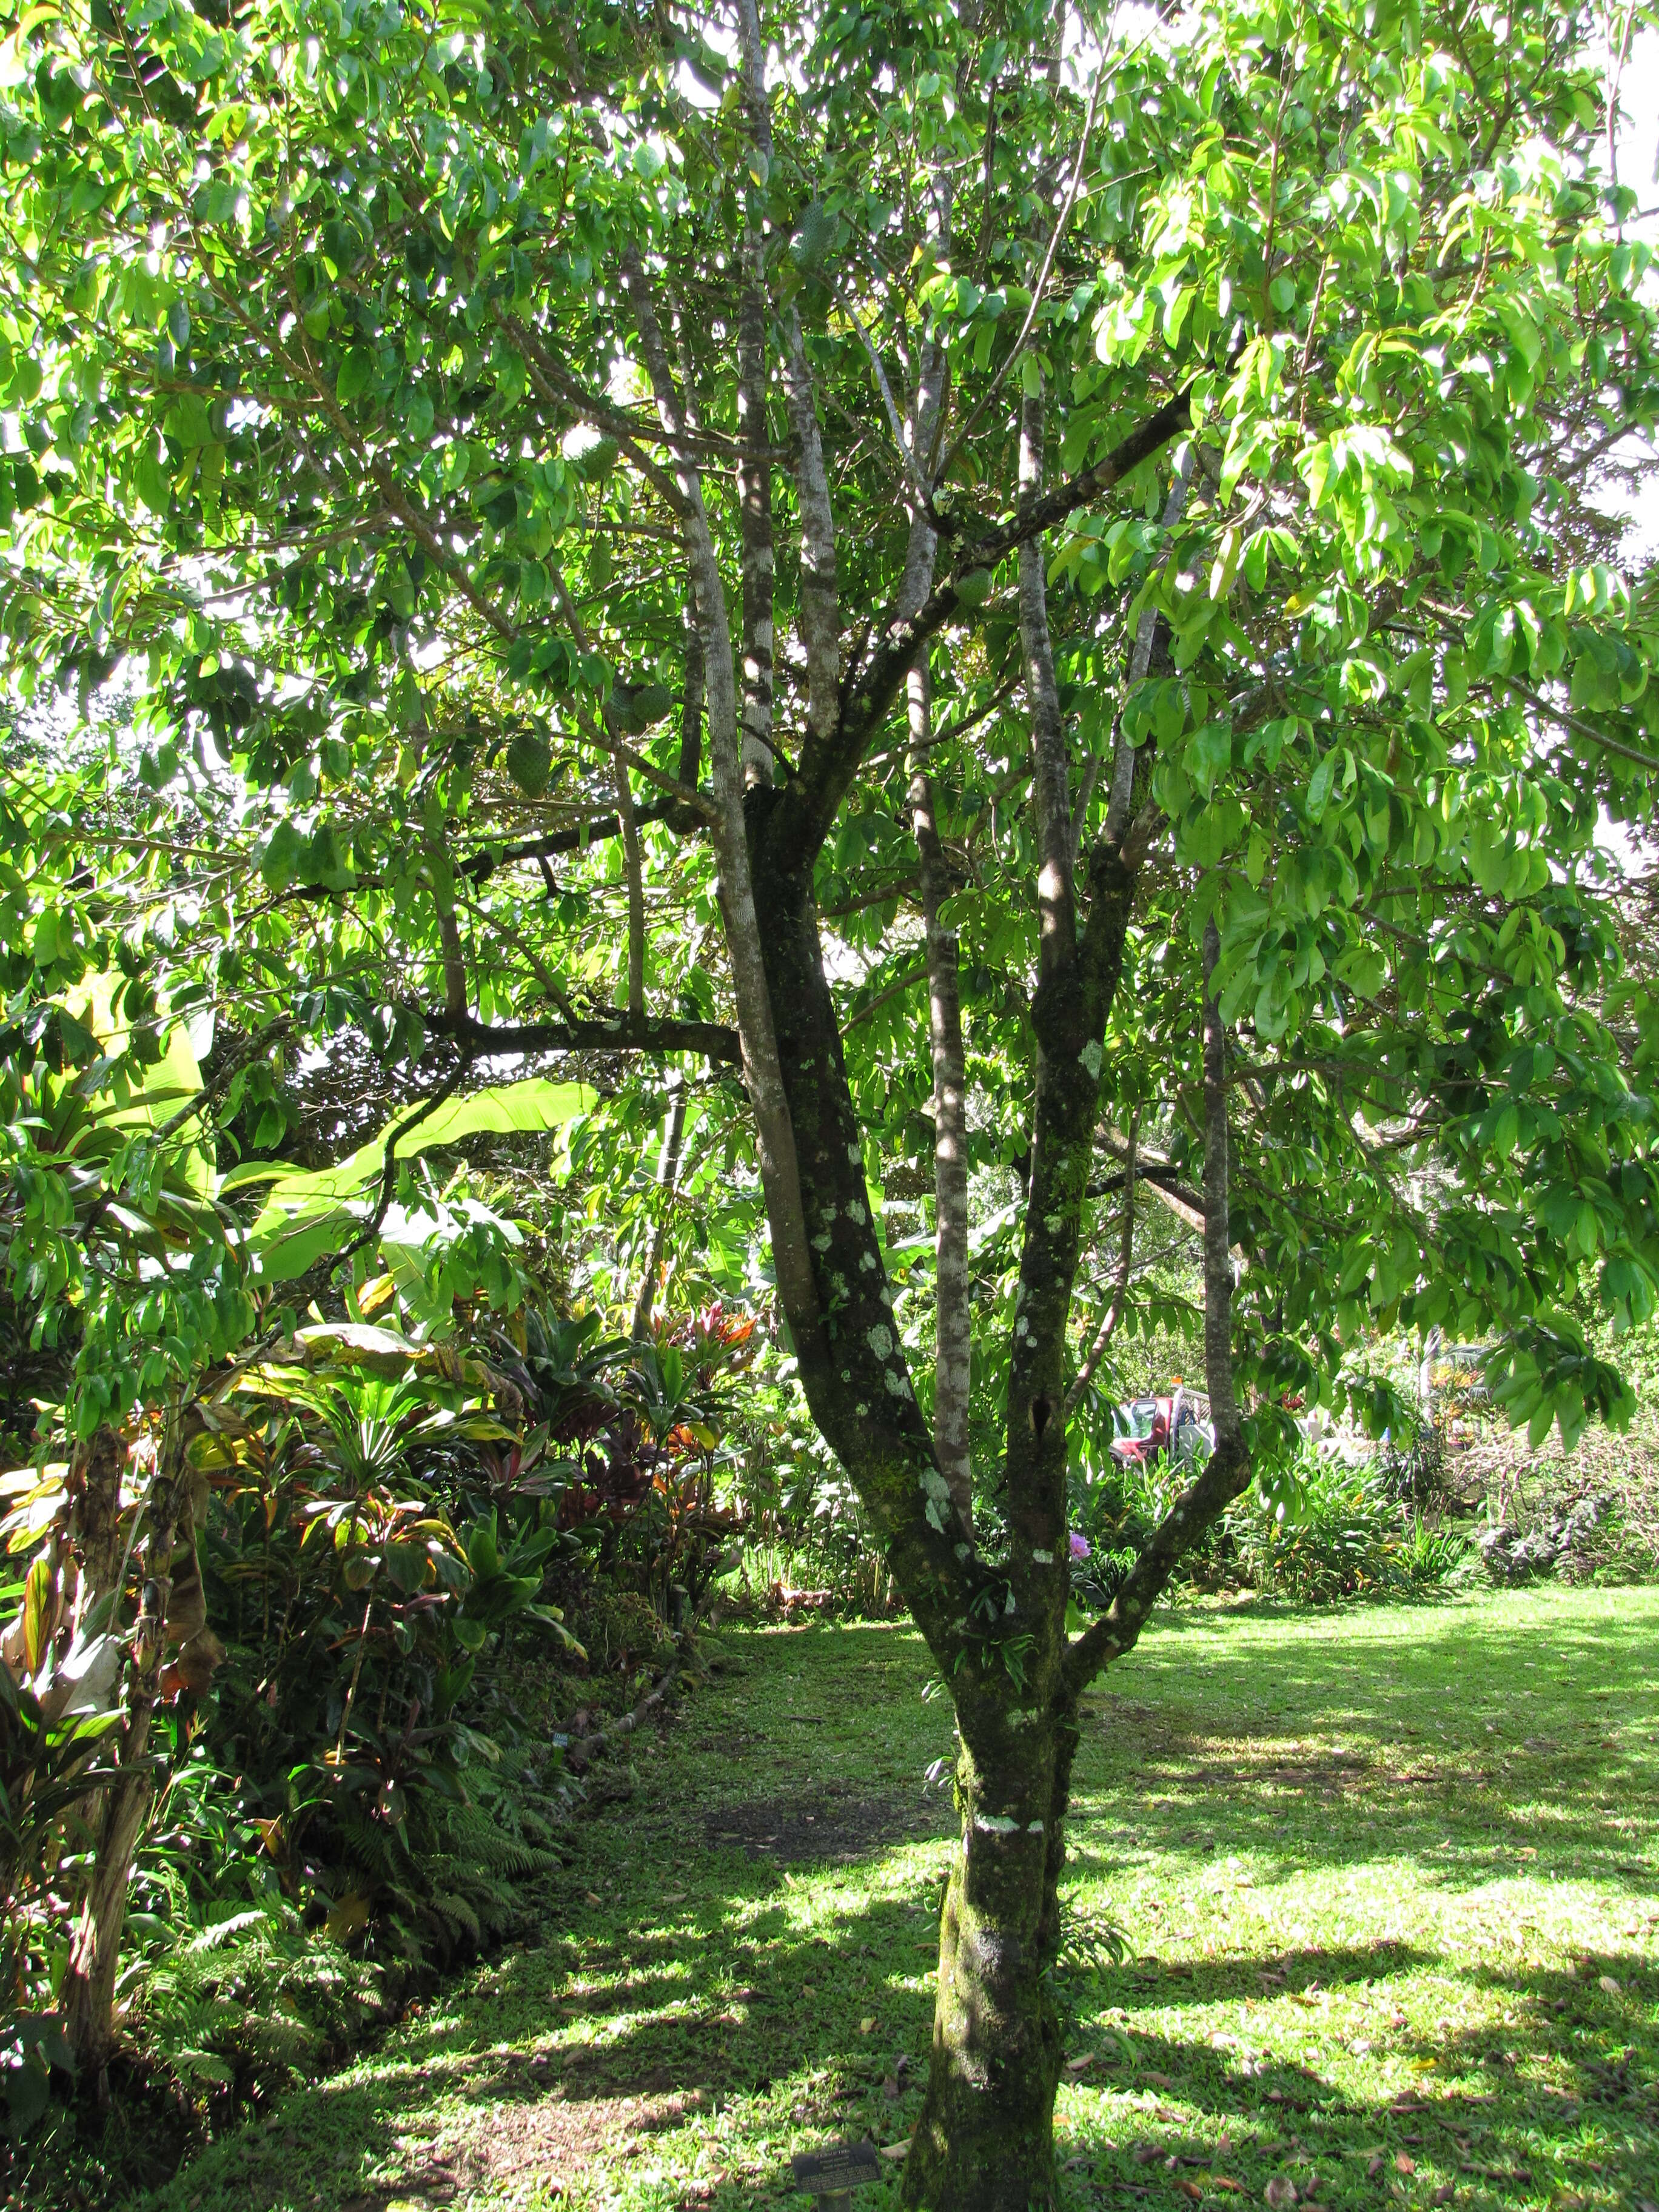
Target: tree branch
(894, 990)
(1056, 899)
(952, 1283)
(820, 606)
(1109, 1320)
(674, 811)
(774, 1130)
(1042, 284)
(668, 1169)
(424, 1112)
(809, 801)
(1120, 800)
(1227, 1472)
(690, 709)
(754, 460)
(609, 1032)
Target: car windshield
(1137, 1421)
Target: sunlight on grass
(1386, 1877)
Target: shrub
(1319, 1532)
(333, 1749)
(1310, 1528)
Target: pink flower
(1079, 1545)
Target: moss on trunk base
(985, 2140)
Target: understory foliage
(754, 621)
(360, 1761)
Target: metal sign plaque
(842, 2166)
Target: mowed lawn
(1386, 1879)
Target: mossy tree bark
(985, 2139)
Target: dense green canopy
(1005, 603)
(335, 499)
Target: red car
(1146, 1428)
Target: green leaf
(1319, 785)
(153, 484)
(1209, 754)
(356, 374)
(280, 859)
(322, 861)
(814, 236)
(187, 420)
(305, 1208)
(38, 1588)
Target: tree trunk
(775, 1137)
(94, 1484)
(985, 2140)
(96, 1952)
(952, 1288)
(668, 1172)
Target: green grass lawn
(1387, 1878)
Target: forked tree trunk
(985, 2140)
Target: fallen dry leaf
(1083, 2059)
(897, 2150)
(1189, 2189)
(866, 2023)
(1226, 2181)
(593, 1897)
(1402, 2164)
(1280, 2191)
(1608, 1983)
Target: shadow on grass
(1470, 1748)
(708, 2036)
(1551, 2099)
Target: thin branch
(1121, 795)
(1042, 284)
(677, 812)
(1227, 1472)
(1109, 1320)
(820, 608)
(894, 990)
(370, 1229)
(1583, 728)
(775, 1133)
(807, 804)
(668, 1170)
